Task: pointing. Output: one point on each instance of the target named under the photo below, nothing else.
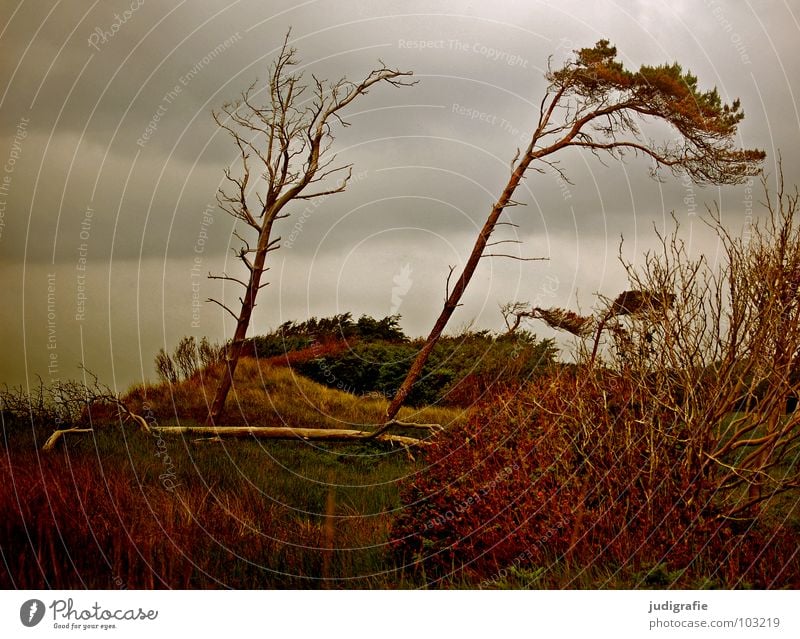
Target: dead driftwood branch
(58, 434)
(217, 433)
(101, 393)
(286, 432)
(53, 440)
(88, 395)
(418, 426)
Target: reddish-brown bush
(66, 525)
(579, 472)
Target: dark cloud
(120, 159)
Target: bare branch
(495, 243)
(233, 315)
(228, 278)
(447, 282)
(517, 257)
(284, 146)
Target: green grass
(265, 395)
(243, 514)
(119, 507)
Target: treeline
(294, 336)
(372, 356)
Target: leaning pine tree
(594, 103)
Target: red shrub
(575, 471)
(319, 349)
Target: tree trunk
(234, 350)
(232, 354)
(266, 432)
(56, 436)
(286, 432)
(454, 298)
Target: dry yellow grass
(265, 395)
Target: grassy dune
(120, 508)
(266, 395)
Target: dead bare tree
(71, 406)
(713, 357)
(514, 313)
(284, 142)
(724, 357)
(82, 407)
(594, 103)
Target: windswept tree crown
(595, 89)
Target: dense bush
(62, 404)
(372, 356)
(369, 367)
(188, 357)
(295, 336)
(460, 370)
(563, 472)
(485, 363)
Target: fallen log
(415, 425)
(217, 433)
(287, 432)
(58, 434)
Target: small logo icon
(31, 612)
(402, 284)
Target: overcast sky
(103, 218)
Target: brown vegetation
(672, 447)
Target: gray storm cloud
(110, 161)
